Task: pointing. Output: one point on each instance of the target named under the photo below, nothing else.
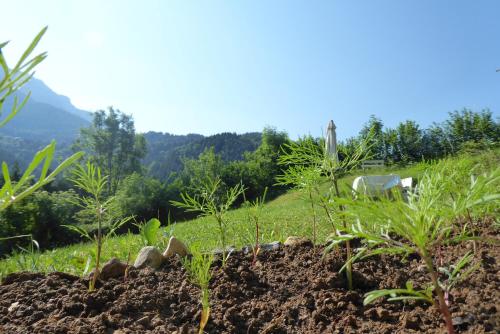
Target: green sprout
(254, 210)
(210, 203)
(198, 269)
(149, 232)
(90, 180)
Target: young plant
(422, 225)
(13, 79)
(457, 273)
(198, 269)
(149, 232)
(92, 183)
(210, 203)
(304, 161)
(308, 163)
(254, 210)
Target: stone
(247, 249)
(275, 245)
(175, 246)
(229, 250)
(149, 256)
(114, 268)
(13, 306)
(296, 241)
(465, 320)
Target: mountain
(43, 122)
(42, 93)
(46, 116)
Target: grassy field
(289, 214)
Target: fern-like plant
(210, 203)
(421, 225)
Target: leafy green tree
(409, 141)
(261, 166)
(467, 125)
(373, 129)
(391, 146)
(143, 197)
(41, 216)
(209, 165)
(435, 142)
(113, 145)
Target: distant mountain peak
(42, 93)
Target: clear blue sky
(213, 66)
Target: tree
(113, 145)
(373, 129)
(261, 166)
(435, 142)
(467, 125)
(208, 166)
(409, 141)
(142, 197)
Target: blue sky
(214, 66)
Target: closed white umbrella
(331, 142)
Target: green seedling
(198, 269)
(209, 203)
(149, 232)
(421, 225)
(92, 183)
(308, 163)
(457, 273)
(254, 210)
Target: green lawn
(289, 214)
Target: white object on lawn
(375, 185)
(407, 183)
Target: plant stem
(347, 243)
(99, 246)
(257, 246)
(222, 239)
(443, 307)
(314, 217)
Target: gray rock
(296, 241)
(275, 245)
(175, 246)
(229, 250)
(465, 320)
(247, 249)
(148, 256)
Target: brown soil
(290, 290)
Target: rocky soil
(289, 290)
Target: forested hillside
(165, 152)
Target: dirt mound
(290, 290)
